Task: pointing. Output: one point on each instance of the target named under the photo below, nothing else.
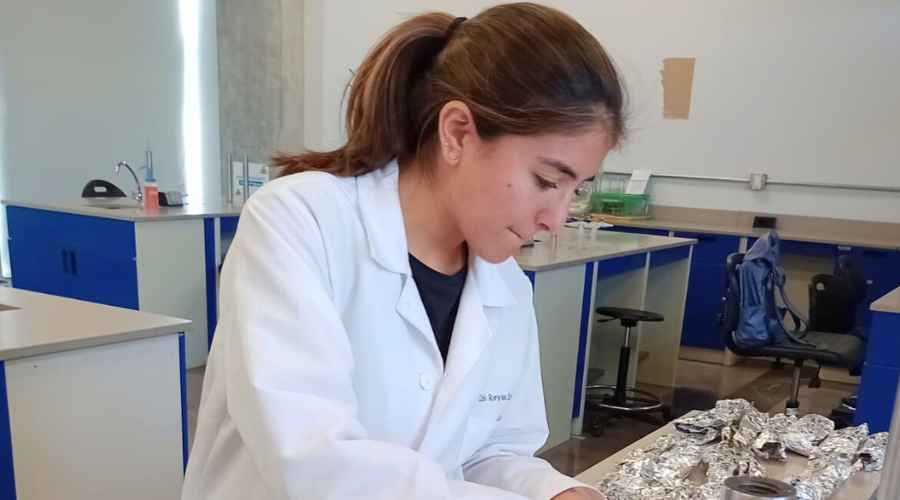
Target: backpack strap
(799, 320)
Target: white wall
(87, 84)
(804, 90)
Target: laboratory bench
(810, 246)
(583, 269)
(93, 400)
(163, 260)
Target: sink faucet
(139, 195)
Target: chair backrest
(847, 270)
(731, 301)
(834, 299)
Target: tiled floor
(698, 386)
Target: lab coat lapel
(483, 293)
(382, 217)
(411, 309)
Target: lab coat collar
(382, 218)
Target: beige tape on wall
(677, 81)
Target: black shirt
(440, 295)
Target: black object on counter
(99, 188)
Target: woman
(377, 340)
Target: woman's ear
(456, 128)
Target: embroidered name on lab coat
(494, 397)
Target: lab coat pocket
(485, 417)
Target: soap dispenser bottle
(151, 189)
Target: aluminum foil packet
(871, 452)
(705, 427)
(658, 472)
(840, 445)
(769, 444)
(724, 460)
(821, 483)
(804, 435)
(836, 459)
(747, 429)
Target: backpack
(760, 320)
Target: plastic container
(151, 189)
(620, 204)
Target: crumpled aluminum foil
(831, 463)
(769, 444)
(661, 472)
(840, 445)
(724, 460)
(655, 473)
(871, 452)
(751, 424)
(705, 427)
(805, 434)
(820, 484)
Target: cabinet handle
(74, 263)
(65, 259)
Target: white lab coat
(325, 381)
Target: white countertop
(136, 214)
(859, 487)
(890, 303)
(35, 323)
(577, 246)
(807, 236)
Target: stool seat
(629, 317)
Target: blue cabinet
(810, 249)
(881, 371)
(882, 270)
(705, 289)
(87, 258)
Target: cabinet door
(103, 268)
(882, 270)
(38, 260)
(705, 289)
(810, 249)
(87, 258)
(104, 279)
(39, 265)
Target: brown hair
(522, 69)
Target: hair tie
(450, 29)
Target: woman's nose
(552, 218)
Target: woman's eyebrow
(562, 167)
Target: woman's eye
(544, 184)
(581, 190)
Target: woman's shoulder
(311, 200)
(318, 194)
(310, 187)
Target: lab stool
(619, 399)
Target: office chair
(827, 349)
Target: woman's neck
(431, 233)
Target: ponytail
(522, 69)
(378, 121)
